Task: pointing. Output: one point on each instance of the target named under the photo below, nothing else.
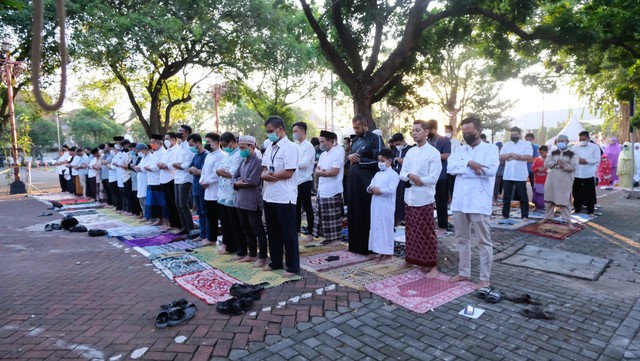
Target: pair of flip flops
(490, 294)
(235, 306)
(175, 313)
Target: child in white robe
(383, 205)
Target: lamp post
(12, 68)
(216, 92)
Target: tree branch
(132, 98)
(349, 44)
(394, 82)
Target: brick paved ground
(68, 296)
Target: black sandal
(231, 307)
(241, 290)
(538, 313)
(182, 303)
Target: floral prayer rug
(154, 240)
(106, 224)
(243, 271)
(178, 266)
(155, 252)
(551, 229)
(83, 206)
(324, 261)
(137, 230)
(211, 286)
(414, 291)
(84, 212)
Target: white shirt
(516, 170)
(77, 160)
(112, 169)
(123, 175)
(184, 156)
(455, 144)
(306, 158)
(425, 163)
(63, 158)
(330, 186)
(153, 177)
(212, 162)
(141, 176)
(226, 192)
(473, 193)
(591, 153)
(281, 156)
(92, 172)
(84, 160)
(168, 158)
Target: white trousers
(480, 223)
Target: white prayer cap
(247, 139)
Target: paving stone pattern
(69, 296)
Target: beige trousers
(480, 223)
(565, 212)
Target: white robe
(382, 211)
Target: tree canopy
(89, 128)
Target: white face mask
(382, 166)
(167, 143)
(118, 146)
(584, 142)
(296, 137)
(448, 135)
(112, 152)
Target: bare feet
(406, 265)
(459, 278)
(373, 256)
(222, 249)
(260, 263)
(525, 219)
(288, 275)
(483, 284)
(237, 258)
(248, 259)
(267, 268)
(207, 243)
(432, 272)
(386, 258)
(308, 238)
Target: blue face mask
(245, 153)
(193, 149)
(228, 150)
(562, 145)
(273, 137)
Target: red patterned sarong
(421, 241)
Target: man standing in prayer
(330, 171)
(443, 145)
(113, 174)
(123, 174)
(383, 203)
(92, 174)
(562, 164)
(249, 202)
(74, 166)
(167, 178)
(182, 181)
(516, 154)
(279, 163)
(584, 184)
(475, 165)
(304, 176)
(195, 170)
(61, 166)
(363, 160)
(232, 235)
(104, 173)
(141, 175)
(421, 169)
(401, 149)
(156, 203)
(455, 144)
(209, 181)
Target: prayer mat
(211, 286)
(414, 291)
(321, 262)
(107, 224)
(243, 271)
(509, 223)
(68, 201)
(83, 206)
(85, 212)
(178, 266)
(315, 247)
(122, 217)
(177, 247)
(154, 240)
(353, 276)
(137, 230)
(551, 230)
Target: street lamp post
(11, 67)
(216, 92)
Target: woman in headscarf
(625, 167)
(604, 172)
(612, 151)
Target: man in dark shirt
(443, 145)
(400, 151)
(363, 161)
(195, 169)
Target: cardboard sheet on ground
(414, 291)
(243, 271)
(556, 261)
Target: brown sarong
(420, 234)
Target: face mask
(448, 135)
(228, 150)
(273, 137)
(118, 146)
(112, 152)
(382, 165)
(193, 150)
(245, 153)
(400, 146)
(207, 148)
(296, 137)
(154, 146)
(167, 143)
(584, 142)
(470, 138)
(323, 147)
(562, 145)
(515, 139)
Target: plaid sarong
(328, 218)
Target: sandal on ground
(235, 306)
(162, 319)
(494, 296)
(254, 291)
(178, 315)
(332, 258)
(538, 313)
(182, 303)
(524, 298)
(483, 292)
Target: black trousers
(232, 236)
(107, 191)
(134, 204)
(115, 195)
(521, 191)
(251, 222)
(170, 196)
(400, 213)
(451, 182)
(304, 201)
(125, 194)
(91, 188)
(281, 229)
(63, 182)
(442, 196)
(584, 194)
(212, 220)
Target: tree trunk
(155, 123)
(623, 128)
(362, 101)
